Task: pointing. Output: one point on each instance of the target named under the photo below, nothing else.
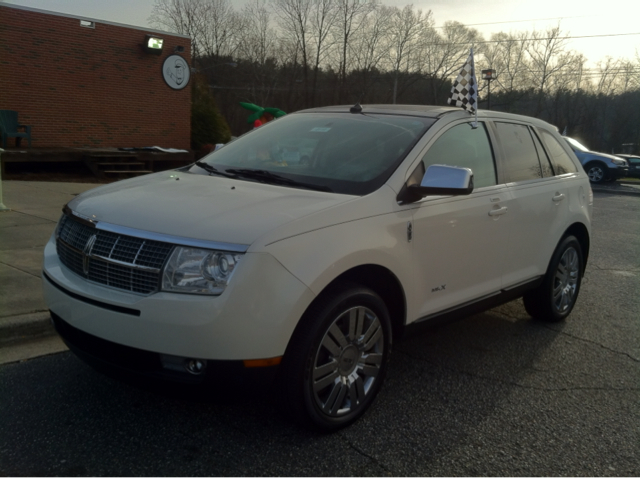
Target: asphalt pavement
(34, 209)
(495, 394)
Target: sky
(578, 18)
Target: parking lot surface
(494, 394)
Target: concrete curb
(23, 328)
(615, 191)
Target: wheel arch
(379, 279)
(581, 233)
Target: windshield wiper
(211, 170)
(265, 176)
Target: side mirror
(439, 180)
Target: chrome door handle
(498, 212)
(558, 197)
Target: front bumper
(136, 364)
(253, 319)
(617, 173)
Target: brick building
(82, 82)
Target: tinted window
(547, 169)
(465, 147)
(521, 160)
(559, 157)
(343, 152)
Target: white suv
(298, 253)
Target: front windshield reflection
(346, 153)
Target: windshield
(575, 145)
(337, 152)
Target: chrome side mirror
(439, 180)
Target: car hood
(593, 155)
(200, 206)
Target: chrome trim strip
(128, 265)
(177, 240)
(135, 259)
(456, 307)
(155, 236)
(102, 284)
(479, 299)
(523, 283)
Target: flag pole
(473, 64)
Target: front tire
(337, 359)
(596, 172)
(554, 299)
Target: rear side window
(521, 162)
(465, 147)
(547, 170)
(559, 157)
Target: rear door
(538, 203)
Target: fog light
(183, 364)
(195, 366)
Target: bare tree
(508, 56)
(222, 29)
(444, 53)
(186, 17)
(259, 50)
(367, 44)
(549, 57)
(406, 28)
(294, 21)
(350, 21)
(322, 19)
(616, 76)
(368, 50)
(259, 41)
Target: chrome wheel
(596, 174)
(566, 280)
(348, 362)
(553, 300)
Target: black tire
(337, 359)
(554, 299)
(597, 172)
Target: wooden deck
(102, 162)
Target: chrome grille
(124, 262)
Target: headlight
(619, 162)
(199, 271)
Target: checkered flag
(465, 89)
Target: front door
(458, 241)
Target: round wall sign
(176, 72)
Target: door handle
(498, 212)
(558, 197)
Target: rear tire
(554, 299)
(337, 359)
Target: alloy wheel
(566, 280)
(596, 174)
(348, 362)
